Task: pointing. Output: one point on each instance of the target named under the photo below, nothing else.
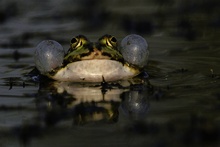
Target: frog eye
(112, 41)
(76, 42)
(73, 40)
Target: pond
(178, 104)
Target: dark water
(179, 106)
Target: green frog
(88, 61)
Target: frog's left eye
(111, 41)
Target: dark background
(184, 66)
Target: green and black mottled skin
(81, 47)
(109, 46)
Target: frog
(99, 61)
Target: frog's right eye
(73, 40)
(76, 42)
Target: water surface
(179, 106)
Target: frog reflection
(96, 112)
(135, 103)
(84, 103)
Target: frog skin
(88, 61)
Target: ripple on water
(184, 101)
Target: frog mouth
(94, 71)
